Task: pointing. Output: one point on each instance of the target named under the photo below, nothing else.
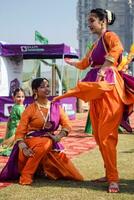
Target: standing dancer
(104, 88)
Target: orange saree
(54, 164)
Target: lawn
(91, 166)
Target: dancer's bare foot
(100, 180)
(113, 187)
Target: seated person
(37, 147)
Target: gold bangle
(110, 58)
(64, 133)
(22, 145)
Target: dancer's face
(19, 98)
(95, 24)
(43, 90)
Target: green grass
(91, 166)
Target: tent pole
(62, 70)
(53, 77)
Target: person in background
(37, 149)
(13, 120)
(88, 126)
(104, 87)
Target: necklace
(45, 118)
(46, 105)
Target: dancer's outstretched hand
(55, 99)
(69, 61)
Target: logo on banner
(30, 48)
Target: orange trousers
(106, 114)
(106, 109)
(54, 164)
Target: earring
(35, 96)
(102, 26)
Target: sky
(54, 19)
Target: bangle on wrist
(64, 132)
(24, 148)
(20, 140)
(22, 145)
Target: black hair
(18, 90)
(103, 14)
(37, 82)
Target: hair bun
(110, 17)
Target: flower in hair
(109, 16)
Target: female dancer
(104, 88)
(37, 148)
